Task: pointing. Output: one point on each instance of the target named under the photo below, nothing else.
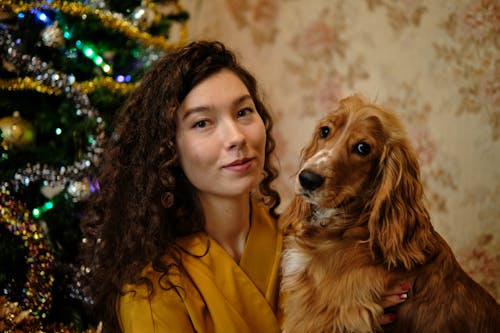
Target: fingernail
(405, 286)
(403, 296)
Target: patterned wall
(435, 62)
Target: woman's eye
(362, 148)
(200, 124)
(324, 131)
(244, 112)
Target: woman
(182, 236)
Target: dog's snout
(310, 180)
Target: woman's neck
(227, 220)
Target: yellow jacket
(216, 294)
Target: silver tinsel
(42, 71)
(96, 4)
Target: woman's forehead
(221, 88)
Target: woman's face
(220, 137)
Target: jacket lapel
(240, 297)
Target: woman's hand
(393, 296)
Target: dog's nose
(310, 180)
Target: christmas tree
(66, 68)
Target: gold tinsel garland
(107, 19)
(27, 83)
(108, 83)
(15, 319)
(86, 87)
(37, 295)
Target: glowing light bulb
(88, 52)
(48, 205)
(36, 213)
(42, 17)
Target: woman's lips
(239, 165)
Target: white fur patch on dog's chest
(295, 261)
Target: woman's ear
(399, 224)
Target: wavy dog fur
(358, 218)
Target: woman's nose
(233, 136)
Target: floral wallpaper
(435, 62)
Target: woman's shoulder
(154, 305)
(152, 288)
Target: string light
(86, 49)
(123, 78)
(38, 211)
(41, 16)
(90, 53)
(47, 76)
(108, 19)
(22, 222)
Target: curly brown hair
(134, 219)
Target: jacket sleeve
(163, 313)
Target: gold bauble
(16, 131)
(143, 17)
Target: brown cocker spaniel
(359, 216)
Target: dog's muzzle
(310, 180)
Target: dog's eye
(324, 131)
(362, 148)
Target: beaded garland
(37, 296)
(55, 80)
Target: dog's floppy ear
(399, 223)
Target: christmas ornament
(52, 36)
(47, 76)
(109, 19)
(78, 190)
(50, 191)
(16, 131)
(144, 16)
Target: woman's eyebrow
(196, 109)
(205, 108)
(242, 99)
